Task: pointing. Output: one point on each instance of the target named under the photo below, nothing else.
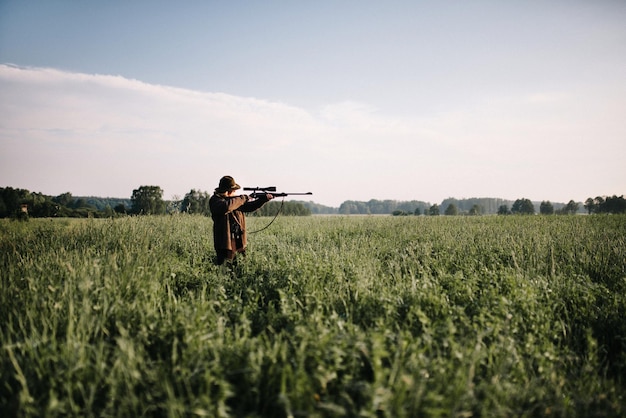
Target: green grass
(327, 316)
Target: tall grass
(326, 316)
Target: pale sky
(351, 100)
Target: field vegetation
(327, 316)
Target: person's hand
(268, 196)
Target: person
(229, 222)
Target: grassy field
(494, 316)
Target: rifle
(258, 191)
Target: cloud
(126, 128)
(127, 109)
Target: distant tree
(615, 204)
(523, 207)
(317, 209)
(6, 208)
(80, 203)
(45, 209)
(610, 204)
(570, 209)
(476, 210)
(451, 210)
(351, 207)
(417, 212)
(503, 210)
(148, 200)
(120, 209)
(12, 200)
(347, 208)
(546, 208)
(196, 202)
(434, 210)
(445, 203)
(64, 199)
(599, 203)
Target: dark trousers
(227, 255)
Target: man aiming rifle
(230, 236)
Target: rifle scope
(260, 189)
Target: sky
(350, 100)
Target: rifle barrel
(256, 193)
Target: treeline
(490, 206)
(601, 204)
(273, 207)
(317, 209)
(382, 207)
(521, 206)
(148, 200)
(21, 203)
(474, 205)
(145, 200)
(483, 206)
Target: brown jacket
(227, 211)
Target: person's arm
(221, 206)
(252, 205)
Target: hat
(227, 183)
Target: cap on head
(227, 183)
